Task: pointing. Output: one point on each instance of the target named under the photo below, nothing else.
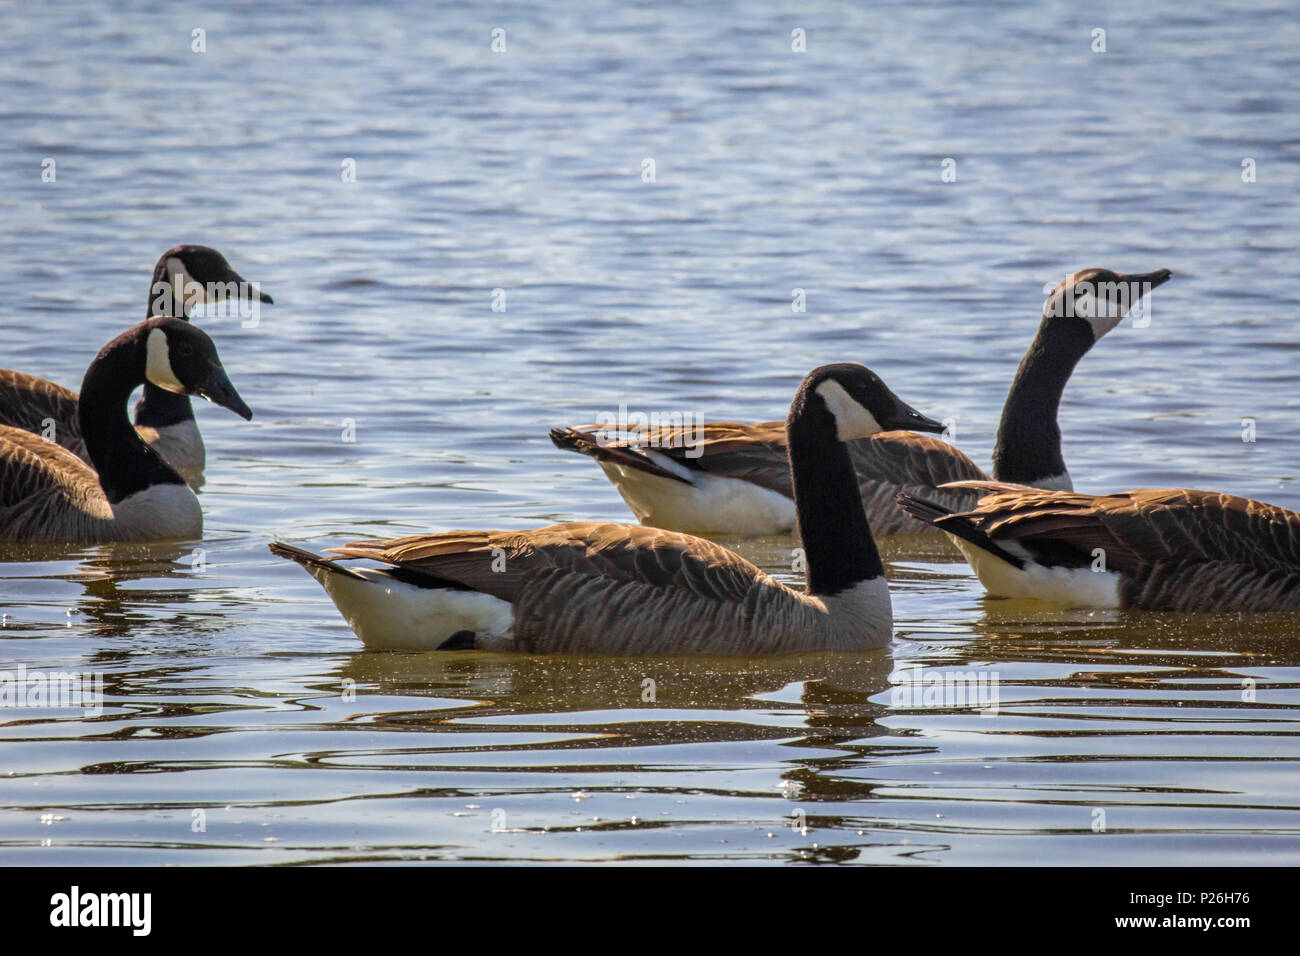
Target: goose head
(189, 275)
(1095, 300)
(854, 400)
(180, 358)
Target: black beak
(218, 390)
(247, 288)
(1143, 282)
(907, 418)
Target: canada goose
(49, 494)
(624, 589)
(184, 276)
(1153, 549)
(728, 478)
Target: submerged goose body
(1151, 549)
(624, 589)
(48, 494)
(184, 276)
(729, 478)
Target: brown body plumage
(623, 589)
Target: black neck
(839, 551)
(1029, 438)
(124, 463)
(158, 407)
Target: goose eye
(184, 350)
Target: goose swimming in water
(48, 494)
(184, 276)
(729, 478)
(1152, 549)
(625, 589)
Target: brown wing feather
(46, 492)
(36, 405)
(754, 453)
(502, 563)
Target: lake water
(242, 722)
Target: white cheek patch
(185, 289)
(852, 420)
(158, 363)
(1106, 310)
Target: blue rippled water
(242, 723)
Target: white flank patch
(158, 363)
(852, 420)
(159, 511)
(1073, 587)
(710, 504)
(1061, 482)
(392, 615)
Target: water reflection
(821, 689)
